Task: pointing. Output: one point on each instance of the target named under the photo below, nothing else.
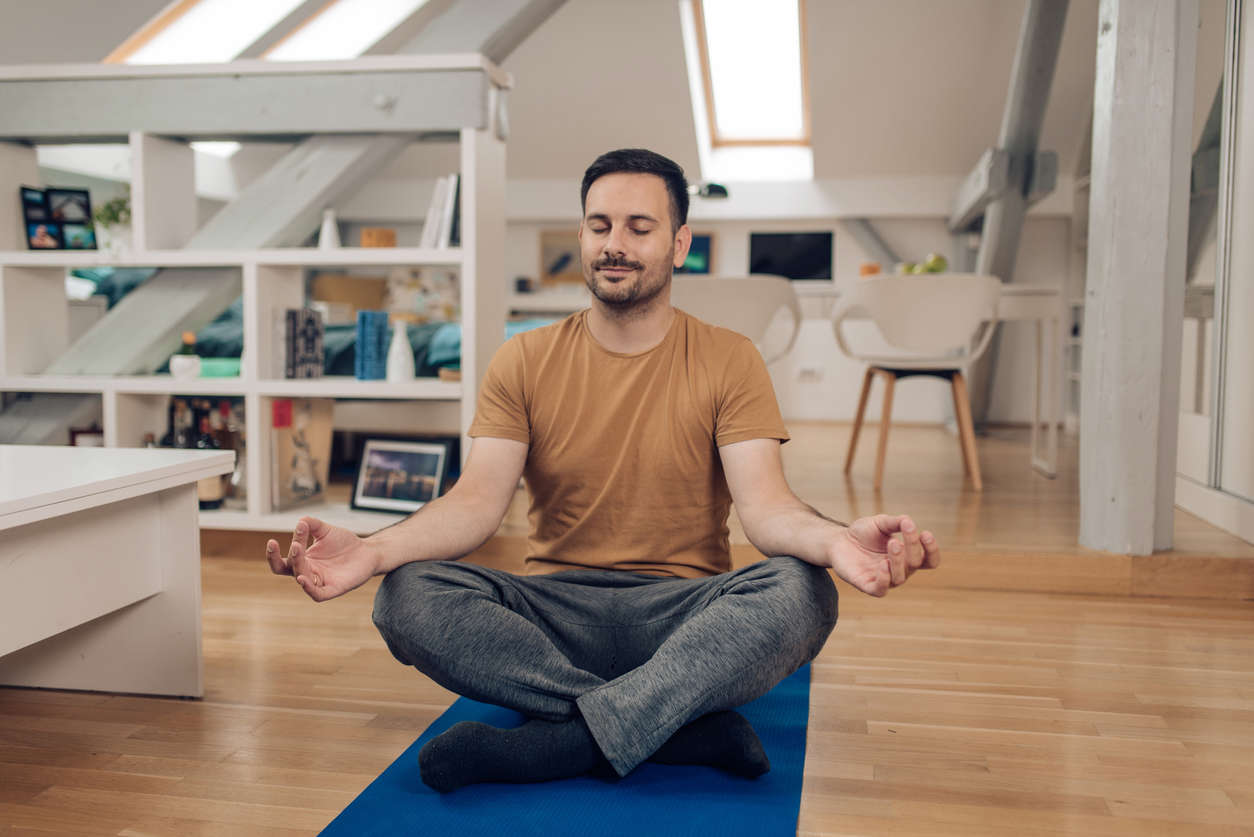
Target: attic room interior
(270, 271)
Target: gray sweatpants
(637, 656)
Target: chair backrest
(744, 304)
(933, 315)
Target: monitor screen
(804, 255)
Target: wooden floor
(939, 710)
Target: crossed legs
(629, 659)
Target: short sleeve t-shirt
(623, 466)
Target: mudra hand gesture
(335, 562)
(869, 556)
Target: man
(635, 426)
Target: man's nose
(614, 242)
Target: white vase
(114, 239)
(185, 366)
(329, 237)
(400, 355)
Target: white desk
(100, 568)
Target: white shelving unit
(34, 313)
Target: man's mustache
(618, 263)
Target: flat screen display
(804, 255)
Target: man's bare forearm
(445, 529)
(796, 529)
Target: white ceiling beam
(1031, 78)
(247, 99)
(493, 28)
(1134, 299)
(292, 21)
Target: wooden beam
(1138, 229)
(871, 243)
(1031, 78)
(493, 28)
(248, 99)
(986, 182)
(281, 207)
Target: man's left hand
(871, 557)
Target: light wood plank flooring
(938, 710)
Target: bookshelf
(34, 313)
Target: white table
(100, 568)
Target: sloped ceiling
(897, 87)
(599, 75)
(69, 31)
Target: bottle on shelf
(150, 440)
(208, 490)
(237, 490)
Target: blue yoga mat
(654, 799)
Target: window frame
(707, 81)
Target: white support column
(163, 192)
(18, 167)
(483, 269)
(1142, 145)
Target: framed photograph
(41, 232)
(69, 206)
(700, 255)
(399, 476)
(559, 257)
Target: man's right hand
(337, 561)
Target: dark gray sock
(538, 751)
(725, 740)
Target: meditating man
(635, 426)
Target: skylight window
(753, 67)
(344, 29)
(203, 31)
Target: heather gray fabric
(637, 656)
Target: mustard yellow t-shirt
(623, 468)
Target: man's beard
(638, 295)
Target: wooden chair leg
(857, 419)
(966, 428)
(886, 413)
(962, 440)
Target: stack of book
(371, 357)
(442, 225)
(302, 341)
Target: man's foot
(538, 751)
(725, 740)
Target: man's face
(627, 247)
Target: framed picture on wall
(399, 476)
(559, 257)
(700, 255)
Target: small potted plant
(113, 224)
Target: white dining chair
(936, 324)
(748, 305)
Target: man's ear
(683, 240)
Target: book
(302, 343)
(449, 210)
(431, 221)
(300, 444)
(371, 349)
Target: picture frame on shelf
(398, 475)
(71, 210)
(700, 260)
(39, 230)
(559, 257)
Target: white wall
(816, 381)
